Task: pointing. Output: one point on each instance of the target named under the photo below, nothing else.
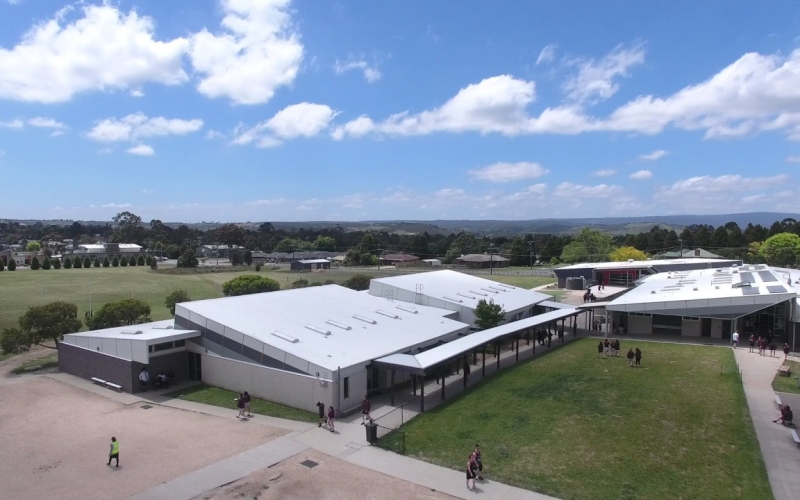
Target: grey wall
(86, 364)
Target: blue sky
(237, 110)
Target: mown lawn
(787, 384)
(225, 399)
(577, 427)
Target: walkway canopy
(418, 364)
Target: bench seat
(784, 370)
(795, 437)
(778, 401)
(116, 387)
(98, 381)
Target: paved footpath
(781, 456)
(347, 443)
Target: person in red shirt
(365, 407)
(786, 350)
(331, 417)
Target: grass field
(97, 286)
(787, 384)
(49, 361)
(577, 427)
(225, 399)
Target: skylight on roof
(407, 309)
(339, 325)
(478, 293)
(489, 289)
(365, 319)
(453, 299)
(129, 332)
(318, 329)
(461, 294)
(287, 338)
(387, 314)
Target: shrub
(330, 282)
(12, 265)
(56, 263)
(106, 262)
(258, 267)
(176, 297)
(187, 259)
(2, 265)
(315, 283)
(153, 264)
(140, 260)
(46, 263)
(358, 282)
(301, 283)
(67, 263)
(148, 260)
(96, 262)
(115, 261)
(123, 261)
(249, 283)
(77, 263)
(86, 262)
(35, 263)
(132, 260)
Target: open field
(225, 399)
(577, 427)
(96, 286)
(787, 384)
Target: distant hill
(616, 225)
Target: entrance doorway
(195, 366)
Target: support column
(391, 381)
(474, 357)
(443, 384)
(563, 333)
(497, 353)
(483, 368)
(458, 363)
(422, 395)
(517, 341)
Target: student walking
(735, 338)
(478, 462)
(247, 403)
(786, 350)
(630, 357)
(470, 472)
(772, 348)
(607, 347)
(600, 349)
(466, 372)
(321, 408)
(616, 348)
(240, 405)
(331, 417)
(365, 407)
(144, 378)
(752, 342)
(638, 356)
(113, 452)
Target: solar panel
(749, 290)
(767, 277)
(776, 289)
(747, 278)
(759, 267)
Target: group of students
(243, 404)
(607, 348)
(474, 467)
(329, 418)
(762, 343)
(162, 381)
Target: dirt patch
(17, 360)
(56, 440)
(329, 479)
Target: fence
(390, 434)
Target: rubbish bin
(372, 433)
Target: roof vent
(631, 261)
(318, 330)
(478, 293)
(496, 288)
(129, 332)
(387, 314)
(451, 298)
(460, 294)
(407, 309)
(287, 338)
(506, 286)
(652, 291)
(339, 325)
(695, 289)
(365, 319)
(717, 287)
(161, 328)
(489, 289)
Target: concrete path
(781, 456)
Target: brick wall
(86, 363)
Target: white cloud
(449, 192)
(371, 73)
(257, 52)
(104, 49)
(298, 120)
(137, 93)
(793, 159)
(147, 191)
(138, 125)
(508, 172)
(641, 175)
(16, 124)
(105, 151)
(706, 194)
(40, 122)
(576, 191)
(547, 54)
(213, 134)
(595, 79)
(112, 205)
(302, 207)
(355, 128)
(141, 150)
(14, 2)
(655, 155)
(609, 172)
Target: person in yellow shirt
(113, 453)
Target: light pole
(491, 257)
(530, 244)
(681, 254)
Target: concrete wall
(358, 388)
(640, 324)
(289, 389)
(86, 363)
(716, 328)
(691, 327)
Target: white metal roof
(314, 261)
(643, 263)
(153, 333)
(725, 292)
(556, 305)
(465, 289)
(92, 247)
(330, 326)
(129, 245)
(450, 350)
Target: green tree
(129, 227)
(106, 262)
(519, 252)
(325, 243)
(147, 260)
(123, 261)
(12, 265)
(488, 314)
(86, 263)
(287, 245)
(230, 235)
(132, 260)
(33, 246)
(122, 313)
(77, 263)
(248, 284)
(176, 297)
(46, 263)
(140, 261)
(2, 265)
(720, 237)
(42, 324)
(115, 261)
(67, 263)
(258, 267)
(56, 263)
(367, 259)
(358, 282)
(597, 244)
(247, 257)
(96, 262)
(782, 249)
(173, 251)
(623, 254)
(575, 252)
(464, 244)
(188, 259)
(235, 258)
(301, 283)
(368, 243)
(702, 238)
(35, 263)
(153, 264)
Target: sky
(280, 110)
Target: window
(346, 387)
(691, 318)
(162, 347)
(180, 343)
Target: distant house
(697, 253)
(482, 261)
(259, 257)
(432, 262)
(311, 265)
(103, 249)
(216, 250)
(398, 259)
